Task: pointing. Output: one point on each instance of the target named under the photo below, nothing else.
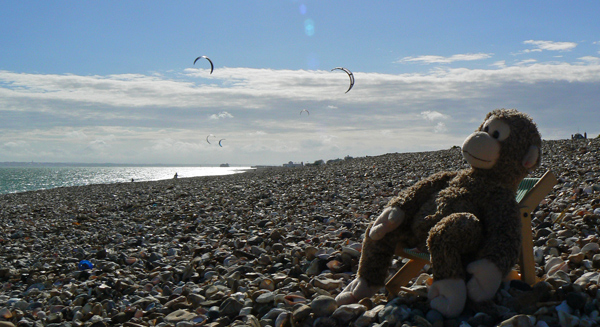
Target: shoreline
(59, 172)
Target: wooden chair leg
(529, 202)
(526, 260)
(410, 270)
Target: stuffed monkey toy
(468, 220)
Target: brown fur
(461, 216)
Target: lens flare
(302, 9)
(309, 27)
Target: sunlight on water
(21, 179)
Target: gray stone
(323, 306)
(231, 307)
(347, 313)
(180, 315)
(519, 321)
(301, 313)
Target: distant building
(293, 164)
(579, 136)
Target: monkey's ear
(531, 157)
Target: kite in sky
(211, 63)
(349, 75)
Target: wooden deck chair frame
(530, 193)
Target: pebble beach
(274, 247)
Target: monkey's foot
(485, 281)
(448, 296)
(357, 290)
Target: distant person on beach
(132, 180)
(175, 175)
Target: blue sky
(114, 81)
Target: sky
(115, 81)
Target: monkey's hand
(448, 296)
(387, 221)
(485, 281)
(357, 290)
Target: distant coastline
(7, 164)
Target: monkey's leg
(448, 241)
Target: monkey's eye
(497, 129)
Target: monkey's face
(482, 148)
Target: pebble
(519, 321)
(323, 306)
(348, 313)
(272, 247)
(265, 298)
(369, 317)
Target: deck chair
(529, 194)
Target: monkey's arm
(410, 200)
(373, 267)
(407, 203)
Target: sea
(23, 178)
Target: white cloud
(96, 149)
(531, 50)
(430, 59)
(331, 107)
(550, 45)
(440, 128)
(170, 145)
(11, 145)
(499, 64)
(433, 115)
(221, 115)
(257, 133)
(163, 120)
(590, 59)
(76, 135)
(98, 144)
(525, 62)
